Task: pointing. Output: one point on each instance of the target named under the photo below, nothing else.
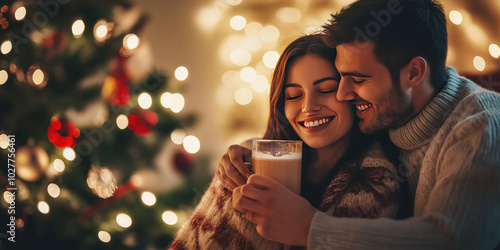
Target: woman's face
(311, 105)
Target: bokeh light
(169, 217)
(43, 207)
(20, 13)
(6, 47)
(270, 59)
(456, 17)
(191, 144)
(288, 15)
(59, 165)
(231, 78)
(69, 154)
(124, 220)
(269, 34)
(166, 100)
(4, 76)
(177, 136)
(145, 101)
(4, 141)
(104, 236)
(177, 103)
(181, 73)
(208, 18)
(53, 190)
(78, 28)
(240, 57)
(238, 22)
(233, 2)
(260, 84)
(479, 63)
(253, 29)
(122, 121)
(494, 52)
(131, 41)
(248, 74)
(148, 198)
(243, 96)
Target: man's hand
(232, 170)
(280, 214)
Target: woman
(343, 175)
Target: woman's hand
(232, 170)
(280, 214)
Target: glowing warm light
(233, 2)
(260, 84)
(43, 207)
(253, 29)
(191, 144)
(123, 220)
(38, 77)
(3, 76)
(177, 103)
(238, 22)
(288, 15)
(77, 28)
(243, 96)
(248, 74)
(122, 121)
(4, 140)
(269, 34)
(231, 78)
(104, 236)
(181, 73)
(101, 31)
(169, 217)
(178, 136)
(131, 41)
(270, 59)
(145, 100)
(240, 57)
(253, 43)
(148, 198)
(53, 190)
(20, 13)
(166, 100)
(6, 47)
(494, 52)
(479, 63)
(208, 18)
(456, 17)
(59, 165)
(6, 196)
(69, 154)
(137, 180)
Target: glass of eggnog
(280, 160)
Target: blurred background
(114, 114)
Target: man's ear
(416, 71)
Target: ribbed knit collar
(419, 130)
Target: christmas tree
(90, 141)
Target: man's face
(367, 84)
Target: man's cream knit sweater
(451, 153)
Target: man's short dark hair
(400, 31)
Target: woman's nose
(311, 104)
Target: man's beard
(393, 111)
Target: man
(391, 56)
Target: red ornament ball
(62, 133)
(142, 121)
(183, 161)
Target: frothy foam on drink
(288, 156)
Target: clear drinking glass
(280, 160)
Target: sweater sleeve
(215, 224)
(463, 208)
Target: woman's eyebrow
(292, 85)
(325, 79)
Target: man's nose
(345, 91)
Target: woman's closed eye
(292, 97)
(327, 91)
